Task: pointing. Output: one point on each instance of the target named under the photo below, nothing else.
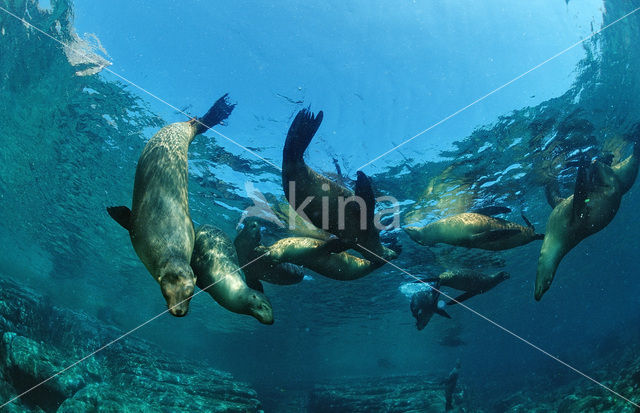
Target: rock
(389, 394)
(131, 376)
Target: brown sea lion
(594, 203)
(470, 281)
(159, 222)
(299, 252)
(473, 230)
(326, 204)
(215, 265)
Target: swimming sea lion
(301, 252)
(424, 304)
(593, 205)
(215, 265)
(159, 222)
(324, 203)
(474, 230)
(257, 269)
(472, 282)
(309, 253)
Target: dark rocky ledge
(38, 340)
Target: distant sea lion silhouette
(215, 265)
(598, 192)
(473, 230)
(470, 281)
(159, 222)
(359, 229)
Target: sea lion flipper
(495, 235)
(526, 221)
(217, 113)
(364, 190)
(300, 134)
(462, 297)
(442, 313)
(122, 215)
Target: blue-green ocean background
(381, 72)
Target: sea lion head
(249, 236)
(177, 283)
(418, 235)
(258, 306)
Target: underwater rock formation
(38, 340)
(396, 394)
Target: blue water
(382, 72)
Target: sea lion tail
(215, 115)
(302, 129)
(538, 236)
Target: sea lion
(309, 253)
(255, 268)
(304, 252)
(215, 265)
(595, 202)
(473, 230)
(159, 222)
(424, 304)
(332, 207)
(472, 282)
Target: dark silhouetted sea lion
(255, 268)
(324, 203)
(470, 281)
(215, 265)
(474, 230)
(159, 222)
(424, 304)
(596, 199)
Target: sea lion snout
(177, 291)
(260, 308)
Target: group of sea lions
(180, 258)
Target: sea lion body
(308, 253)
(215, 264)
(473, 230)
(565, 229)
(352, 222)
(471, 282)
(159, 222)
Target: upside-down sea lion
(470, 281)
(159, 222)
(424, 304)
(324, 203)
(473, 230)
(595, 202)
(215, 265)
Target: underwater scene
(390, 206)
